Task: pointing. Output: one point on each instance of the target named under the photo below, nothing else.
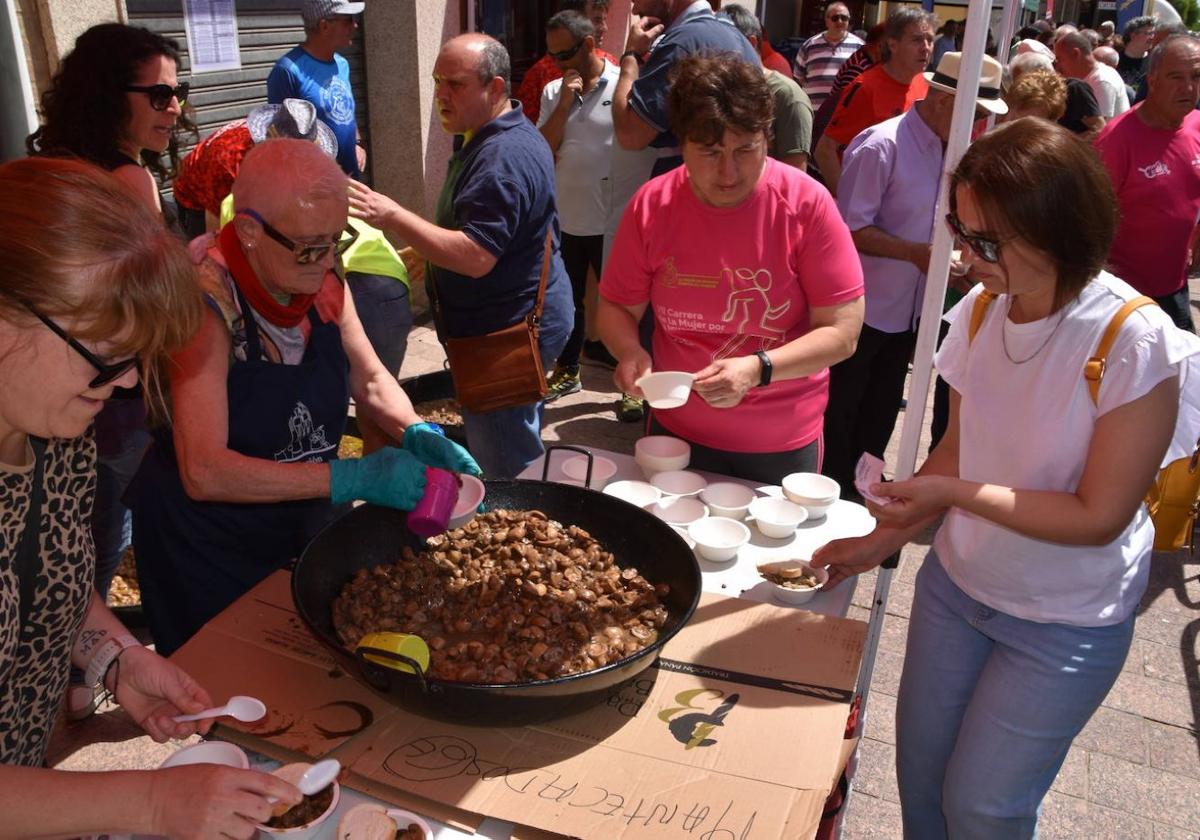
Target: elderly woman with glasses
(246, 473)
(1024, 608)
(92, 283)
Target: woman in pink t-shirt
(751, 275)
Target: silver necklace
(1004, 336)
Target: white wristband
(108, 651)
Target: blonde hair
(283, 173)
(77, 243)
(1040, 93)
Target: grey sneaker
(561, 382)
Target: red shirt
(206, 174)
(774, 61)
(870, 99)
(543, 71)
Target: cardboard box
(737, 733)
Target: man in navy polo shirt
(485, 249)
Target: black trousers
(579, 253)
(1178, 307)
(864, 400)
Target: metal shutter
(266, 30)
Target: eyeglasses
(161, 95)
(306, 254)
(840, 18)
(106, 371)
(987, 249)
(567, 55)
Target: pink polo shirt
(727, 282)
(1156, 174)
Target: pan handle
(550, 450)
(362, 652)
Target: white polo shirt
(584, 159)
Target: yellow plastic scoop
(401, 644)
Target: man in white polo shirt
(576, 120)
(1073, 58)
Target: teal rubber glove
(390, 477)
(437, 451)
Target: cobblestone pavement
(1133, 774)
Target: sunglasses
(987, 249)
(161, 95)
(840, 18)
(106, 371)
(306, 254)
(567, 55)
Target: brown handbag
(502, 369)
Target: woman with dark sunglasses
(92, 282)
(245, 475)
(1024, 608)
(116, 102)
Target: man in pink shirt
(751, 276)
(1152, 154)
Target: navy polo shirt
(696, 32)
(499, 191)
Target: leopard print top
(34, 667)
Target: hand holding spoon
(239, 707)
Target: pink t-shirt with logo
(727, 282)
(1156, 174)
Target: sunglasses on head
(567, 55)
(987, 249)
(161, 95)
(106, 372)
(306, 254)
(840, 18)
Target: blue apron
(196, 558)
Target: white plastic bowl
(777, 518)
(679, 510)
(640, 493)
(209, 752)
(469, 496)
(814, 491)
(660, 453)
(800, 596)
(666, 389)
(603, 469)
(292, 773)
(679, 482)
(358, 823)
(724, 498)
(718, 539)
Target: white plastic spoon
(239, 707)
(315, 779)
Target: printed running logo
(691, 722)
(1155, 170)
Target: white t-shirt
(1029, 426)
(1110, 91)
(583, 188)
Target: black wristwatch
(637, 56)
(764, 375)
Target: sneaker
(561, 382)
(630, 409)
(597, 352)
(82, 701)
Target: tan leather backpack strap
(978, 313)
(1093, 369)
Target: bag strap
(978, 313)
(535, 317)
(1093, 369)
(28, 549)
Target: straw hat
(294, 118)
(945, 78)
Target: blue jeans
(988, 707)
(508, 440)
(386, 315)
(121, 440)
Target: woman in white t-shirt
(1024, 609)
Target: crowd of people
(178, 377)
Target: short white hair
(1028, 62)
(280, 174)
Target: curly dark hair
(85, 109)
(712, 93)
